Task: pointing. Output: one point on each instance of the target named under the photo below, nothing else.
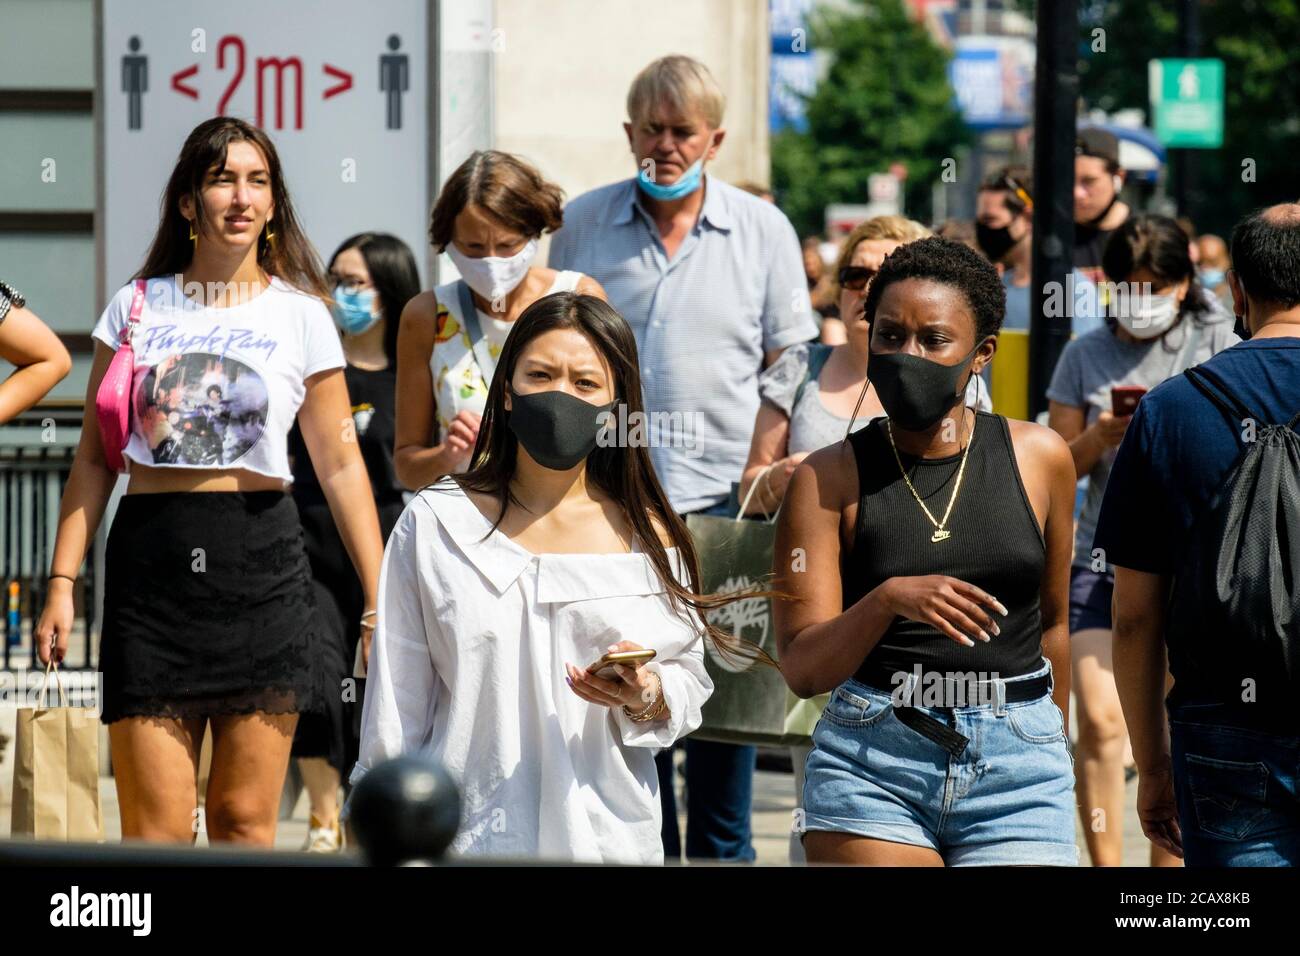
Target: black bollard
(405, 810)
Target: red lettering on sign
(344, 77)
(179, 87)
(238, 43)
(280, 66)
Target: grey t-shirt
(812, 424)
(1098, 361)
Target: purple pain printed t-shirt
(219, 388)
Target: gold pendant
(940, 535)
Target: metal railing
(36, 453)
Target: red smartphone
(1124, 399)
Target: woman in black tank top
(928, 558)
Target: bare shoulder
(421, 310)
(589, 286)
(1039, 445)
(827, 479)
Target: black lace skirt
(208, 608)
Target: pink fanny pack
(113, 400)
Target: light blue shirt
(733, 290)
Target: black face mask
(1093, 223)
(557, 429)
(1239, 327)
(915, 392)
(996, 242)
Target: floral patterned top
(458, 380)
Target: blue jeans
(1006, 800)
(719, 792)
(1238, 790)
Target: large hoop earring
(194, 237)
(270, 238)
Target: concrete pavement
(772, 815)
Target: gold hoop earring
(270, 238)
(194, 237)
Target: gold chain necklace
(940, 532)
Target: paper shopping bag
(56, 771)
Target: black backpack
(1235, 609)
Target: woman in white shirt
(500, 586)
(488, 218)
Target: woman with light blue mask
(373, 276)
(1212, 267)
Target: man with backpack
(1202, 520)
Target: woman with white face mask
(488, 219)
(1161, 322)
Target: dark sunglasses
(856, 277)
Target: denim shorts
(1090, 594)
(1007, 800)
(1237, 790)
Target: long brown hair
(290, 256)
(625, 474)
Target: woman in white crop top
(208, 607)
(487, 219)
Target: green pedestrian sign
(1187, 102)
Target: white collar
(560, 577)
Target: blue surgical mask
(354, 311)
(685, 185)
(1211, 278)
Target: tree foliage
(885, 98)
(1258, 40)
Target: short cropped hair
(1266, 254)
(949, 263)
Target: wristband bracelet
(654, 709)
(66, 577)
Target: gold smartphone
(605, 666)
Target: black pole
(1056, 93)
(1184, 160)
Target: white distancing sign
(342, 89)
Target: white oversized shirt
(467, 666)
